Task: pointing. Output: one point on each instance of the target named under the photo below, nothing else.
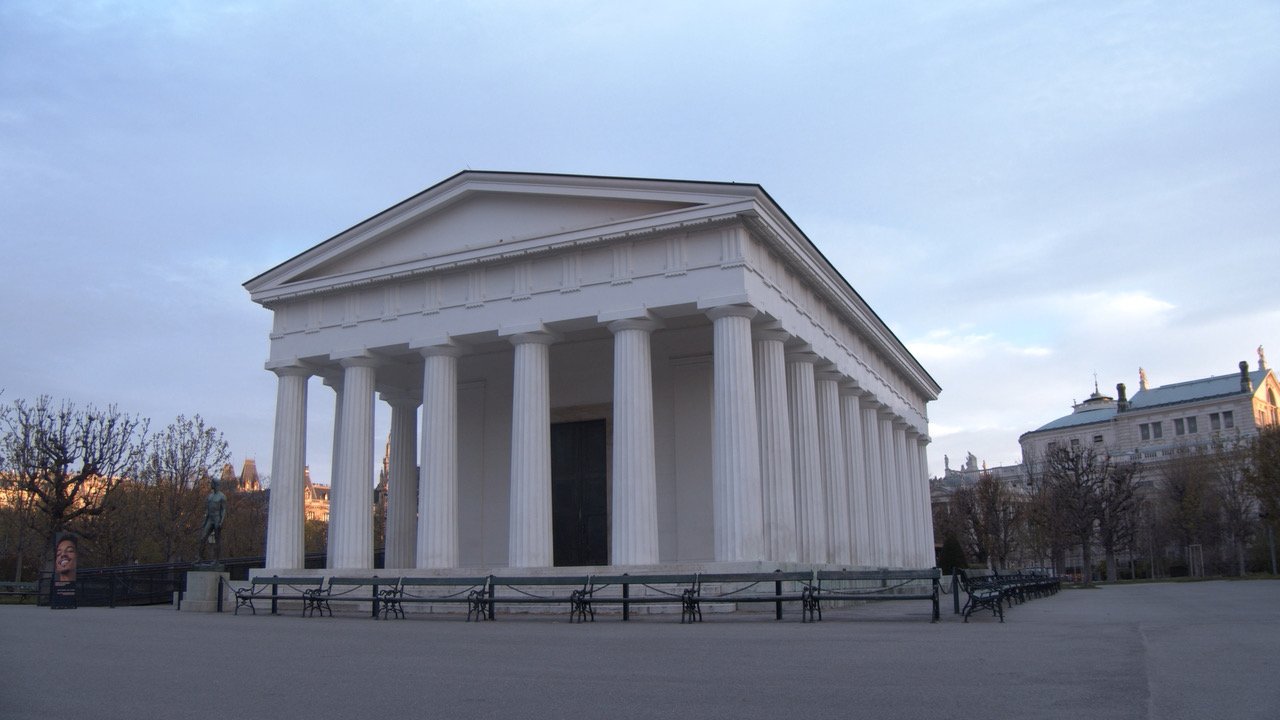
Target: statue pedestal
(202, 591)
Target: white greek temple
(595, 371)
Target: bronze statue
(215, 511)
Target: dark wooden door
(579, 498)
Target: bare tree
(244, 532)
(1044, 530)
(1262, 477)
(1117, 511)
(971, 523)
(1188, 498)
(69, 460)
(1262, 469)
(1075, 477)
(179, 460)
(17, 520)
(1237, 502)
(1000, 518)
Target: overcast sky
(1027, 193)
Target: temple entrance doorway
(579, 493)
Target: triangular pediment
(474, 214)
(486, 219)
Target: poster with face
(66, 557)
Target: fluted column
(735, 450)
(875, 483)
(811, 518)
(438, 472)
(402, 494)
(530, 543)
(776, 474)
(920, 488)
(288, 465)
(904, 492)
(928, 538)
(635, 485)
(855, 465)
(835, 479)
(335, 456)
(892, 500)
(351, 498)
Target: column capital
(523, 333)
(828, 373)
(634, 323)
(431, 347)
(850, 387)
(722, 311)
(770, 331)
(290, 367)
(534, 338)
(802, 353)
(636, 313)
(536, 327)
(769, 334)
(355, 358)
(400, 398)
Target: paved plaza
(1195, 650)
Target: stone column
(776, 474)
(909, 487)
(910, 506)
(735, 441)
(635, 485)
(811, 517)
(835, 479)
(855, 465)
(351, 497)
(335, 453)
(402, 494)
(892, 499)
(288, 465)
(928, 538)
(530, 543)
(438, 484)
(875, 482)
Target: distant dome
(1096, 401)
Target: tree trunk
(1112, 572)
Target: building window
(1191, 424)
(1228, 419)
(1097, 438)
(1178, 427)
(1215, 422)
(1157, 430)
(1075, 443)
(1145, 430)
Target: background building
(1158, 423)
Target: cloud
(945, 345)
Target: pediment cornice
(699, 203)
(548, 244)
